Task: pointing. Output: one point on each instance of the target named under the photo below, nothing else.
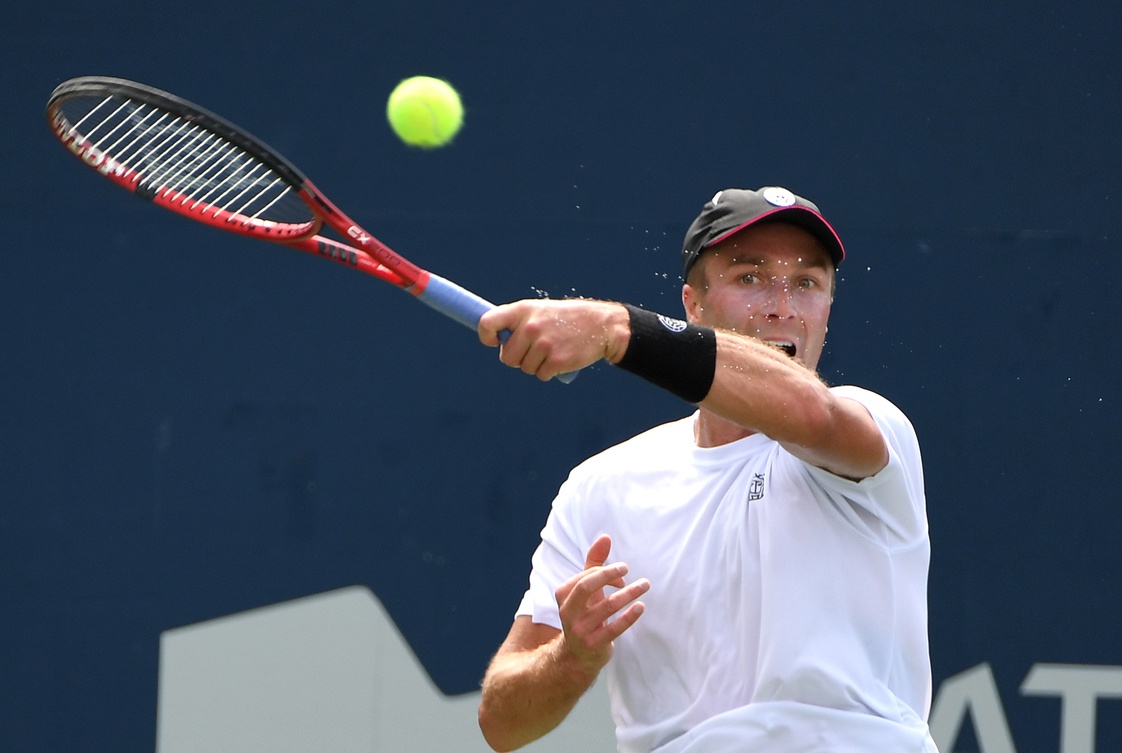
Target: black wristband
(679, 357)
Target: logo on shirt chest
(756, 488)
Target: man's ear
(692, 303)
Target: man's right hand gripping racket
(197, 164)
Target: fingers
(523, 351)
(620, 624)
(550, 337)
(591, 617)
(598, 552)
(592, 621)
(596, 557)
(588, 603)
(493, 322)
(536, 341)
(590, 580)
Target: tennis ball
(425, 111)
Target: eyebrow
(760, 262)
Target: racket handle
(465, 307)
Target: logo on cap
(778, 197)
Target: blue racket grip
(465, 307)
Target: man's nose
(779, 300)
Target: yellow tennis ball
(425, 111)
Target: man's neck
(710, 430)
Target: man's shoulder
(875, 403)
(894, 424)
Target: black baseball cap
(734, 209)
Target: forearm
(528, 693)
(747, 385)
(740, 379)
(760, 388)
(540, 672)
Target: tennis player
(752, 577)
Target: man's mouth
(786, 346)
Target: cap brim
(807, 219)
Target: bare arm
(755, 387)
(761, 389)
(539, 673)
(530, 686)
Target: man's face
(772, 281)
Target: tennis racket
(189, 160)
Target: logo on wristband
(674, 325)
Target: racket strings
(170, 156)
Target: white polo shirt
(788, 606)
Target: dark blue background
(193, 424)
